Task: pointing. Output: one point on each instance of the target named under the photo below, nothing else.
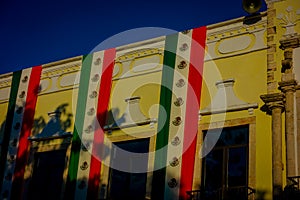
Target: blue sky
(34, 32)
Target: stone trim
(272, 47)
(292, 42)
(273, 100)
(289, 85)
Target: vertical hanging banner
(180, 100)
(88, 139)
(20, 117)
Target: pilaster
(288, 87)
(272, 49)
(275, 107)
(298, 123)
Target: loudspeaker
(251, 6)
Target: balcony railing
(295, 181)
(292, 190)
(241, 193)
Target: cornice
(5, 81)
(291, 42)
(289, 85)
(273, 97)
(272, 101)
(272, 1)
(62, 67)
(138, 54)
(232, 28)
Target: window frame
(251, 122)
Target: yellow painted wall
(147, 87)
(250, 75)
(51, 101)
(3, 112)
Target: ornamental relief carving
(4, 94)
(235, 39)
(288, 20)
(5, 84)
(60, 77)
(235, 44)
(138, 62)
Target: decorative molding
(138, 62)
(4, 94)
(5, 81)
(272, 1)
(132, 55)
(273, 97)
(289, 85)
(54, 75)
(52, 78)
(230, 34)
(234, 44)
(272, 100)
(132, 117)
(290, 42)
(226, 100)
(69, 79)
(59, 70)
(288, 21)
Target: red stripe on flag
(28, 117)
(192, 109)
(103, 102)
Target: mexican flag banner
(179, 99)
(175, 149)
(88, 137)
(19, 122)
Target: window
(125, 184)
(225, 167)
(47, 177)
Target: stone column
(274, 104)
(298, 124)
(287, 86)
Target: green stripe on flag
(9, 119)
(78, 127)
(158, 182)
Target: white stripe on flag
(173, 170)
(16, 130)
(90, 123)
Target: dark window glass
(126, 185)
(47, 177)
(225, 167)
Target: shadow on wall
(65, 120)
(5, 140)
(113, 118)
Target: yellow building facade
(247, 142)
